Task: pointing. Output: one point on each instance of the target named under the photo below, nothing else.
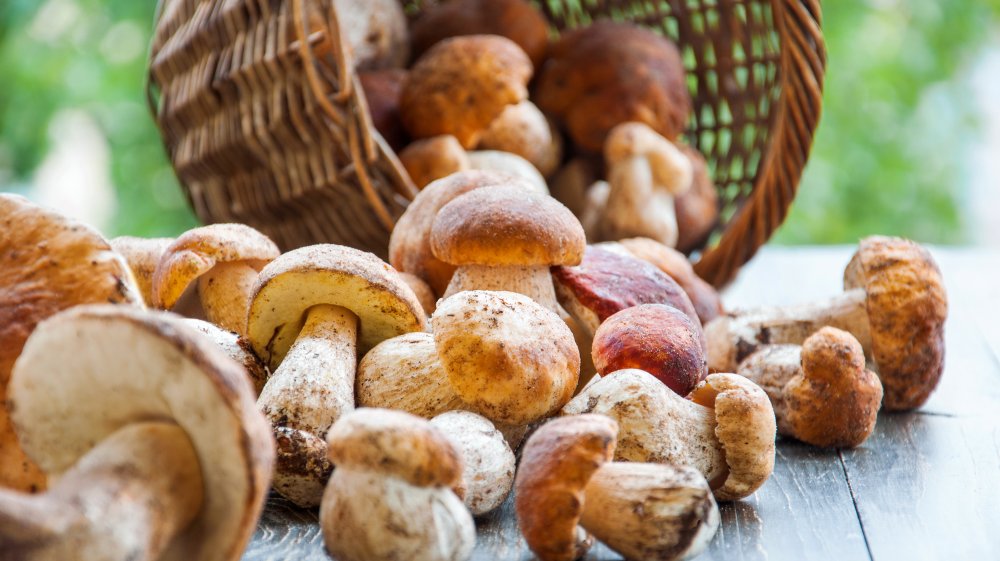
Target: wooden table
(926, 485)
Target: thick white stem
(225, 294)
(533, 282)
(635, 207)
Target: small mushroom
(488, 474)
(725, 430)
(642, 511)
(522, 129)
(391, 495)
(432, 158)
(821, 392)
(142, 255)
(48, 263)
(697, 208)
(224, 259)
(462, 84)
(311, 311)
(510, 164)
(894, 303)
(235, 347)
(172, 464)
(608, 73)
(382, 89)
(374, 31)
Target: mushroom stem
(635, 207)
(126, 499)
(733, 338)
(533, 282)
(225, 293)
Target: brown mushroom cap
(410, 245)
(507, 226)
(142, 256)
(383, 89)
(509, 358)
(335, 275)
(196, 251)
(697, 209)
(907, 308)
(516, 20)
(609, 73)
(522, 129)
(48, 263)
(75, 385)
(557, 462)
(462, 84)
(656, 338)
(394, 443)
(432, 158)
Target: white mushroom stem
(225, 294)
(635, 207)
(314, 384)
(733, 338)
(533, 282)
(126, 499)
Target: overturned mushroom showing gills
(390, 497)
(489, 462)
(642, 511)
(224, 259)
(172, 465)
(726, 431)
(312, 311)
(894, 303)
(48, 263)
(821, 392)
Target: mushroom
(522, 129)
(488, 474)
(894, 303)
(382, 89)
(725, 430)
(390, 496)
(432, 158)
(571, 184)
(642, 511)
(510, 164)
(374, 31)
(235, 347)
(422, 291)
(697, 208)
(645, 173)
(409, 243)
(821, 392)
(173, 464)
(224, 259)
(608, 73)
(48, 263)
(516, 20)
(462, 84)
(504, 238)
(312, 311)
(142, 255)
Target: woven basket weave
(263, 130)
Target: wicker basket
(263, 130)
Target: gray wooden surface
(926, 485)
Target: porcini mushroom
(642, 511)
(374, 31)
(48, 263)
(697, 209)
(726, 430)
(571, 184)
(432, 158)
(488, 461)
(235, 347)
(894, 303)
(224, 259)
(171, 465)
(312, 311)
(142, 255)
(821, 392)
(522, 129)
(390, 496)
(510, 164)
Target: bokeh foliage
(888, 156)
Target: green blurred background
(909, 142)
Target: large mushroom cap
(196, 251)
(907, 308)
(557, 462)
(48, 263)
(333, 275)
(461, 84)
(507, 226)
(93, 370)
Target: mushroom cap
(511, 164)
(670, 167)
(432, 158)
(704, 297)
(196, 251)
(236, 348)
(461, 84)
(524, 130)
(907, 307)
(142, 256)
(656, 338)
(557, 462)
(409, 243)
(375, 31)
(334, 275)
(488, 460)
(835, 401)
(609, 73)
(76, 384)
(422, 291)
(745, 427)
(383, 89)
(509, 358)
(48, 263)
(697, 209)
(605, 283)
(394, 443)
(506, 226)
(516, 20)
